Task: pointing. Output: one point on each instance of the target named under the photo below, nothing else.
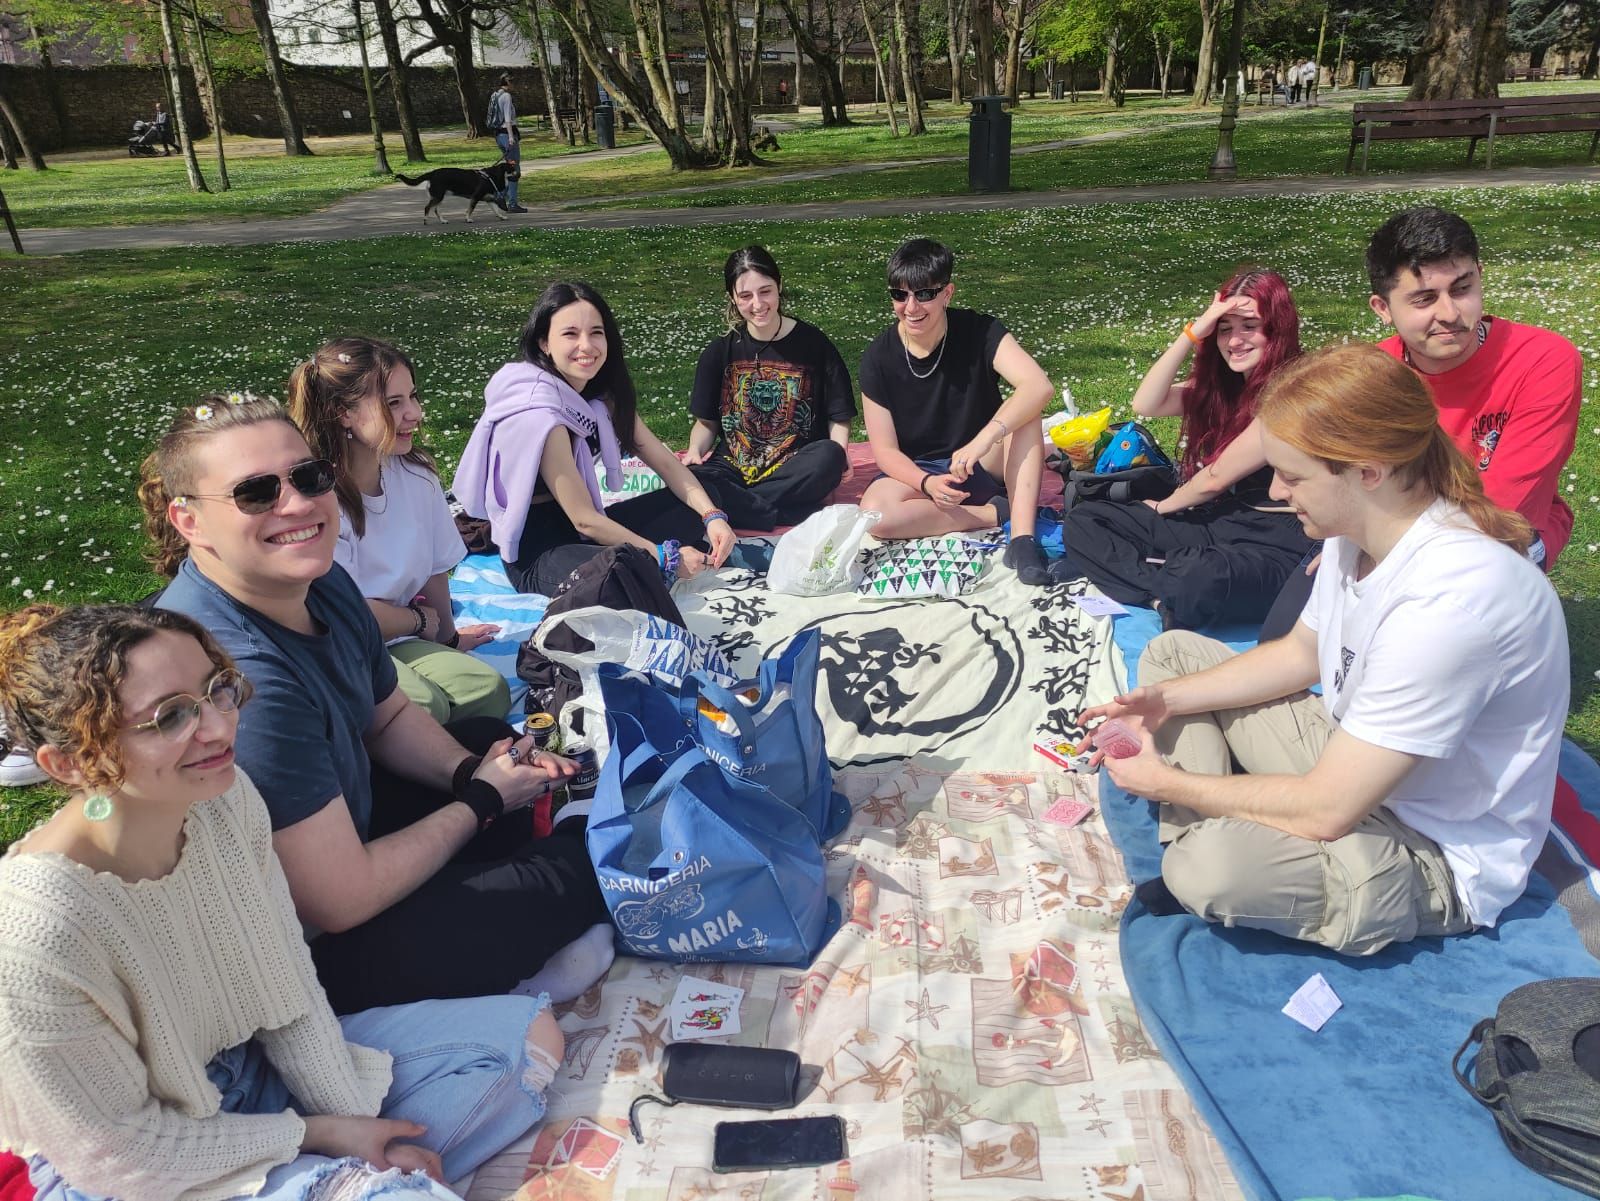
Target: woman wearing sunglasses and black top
(404, 850)
(956, 456)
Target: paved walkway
(391, 210)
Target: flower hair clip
(344, 358)
(236, 398)
(203, 413)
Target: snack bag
(1080, 438)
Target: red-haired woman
(1219, 548)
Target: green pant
(1383, 882)
(449, 684)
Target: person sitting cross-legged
(955, 455)
(1412, 797)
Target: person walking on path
(503, 121)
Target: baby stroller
(145, 138)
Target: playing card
(702, 1009)
(1067, 812)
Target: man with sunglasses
(408, 846)
(956, 456)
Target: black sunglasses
(176, 717)
(901, 295)
(258, 493)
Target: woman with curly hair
(162, 1032)
(1219, 548)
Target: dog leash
(499, 193)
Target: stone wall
(96, 106)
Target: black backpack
(1153, 480)
(619, 577)
(491, 120)
(1538, 1072)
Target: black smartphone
(781, 1143)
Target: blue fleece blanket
(1368, 1106)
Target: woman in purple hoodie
(529, 466)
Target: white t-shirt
(410, 536)
(1454, 648)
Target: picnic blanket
(970, 1019)
(1368, 1105)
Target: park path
(392, 210)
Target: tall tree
(1463, 52)
(9, 117)
(720, 21)
(885, 77)
(451, 24)
(294, 141)
(827, 54)
(201, 58)
(956, 23)
(47, 67)
(380, 153)
(541, 59)
(399, 86)
(908, 39)
(180, 108)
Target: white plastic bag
(822, 553)
(638, 641)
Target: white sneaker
(18, 769)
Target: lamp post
(1222, 164)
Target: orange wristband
(1188, 332)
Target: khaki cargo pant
(1381, 883)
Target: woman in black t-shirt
(955, 455)
(772, 404)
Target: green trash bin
(989, 146)
(605, 126)
(1365, 82)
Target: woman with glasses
(530, 465)
(956, 456)
(772, 404)
(409, 847)
(162, 1031)
(355, 400)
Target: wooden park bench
(1478, 120)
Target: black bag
(1111, 479)
(619, 577)
(1538, 1072)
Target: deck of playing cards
(701, 1009)
(1063, 753)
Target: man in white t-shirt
(1412, 797)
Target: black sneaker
(515, 208)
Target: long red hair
(1221, 402)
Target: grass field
(96, 350)
(1173, 142)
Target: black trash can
(1058, 89)
(605, 126)
(989, 146)
(1365, 82)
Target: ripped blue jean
(459, 1068)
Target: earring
(350, 435)
(97, 807)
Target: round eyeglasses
(176, 717)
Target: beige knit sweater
(114, 997)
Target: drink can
(542, 728)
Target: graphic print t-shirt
(768, 399)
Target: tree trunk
(8, 117)
(910, 43)
(52, 85)
(753, 82)
(541, 59)
(294, 141)
(720, 20)
(459, 51)
(210, 90)
(1203, 70)
(380, 154)
(1108, 75)
(398, 84)
(588, 34)
(708, 118)
(953, 19)
(8, 144)
(180, 110)
(983, 30)
(1463, 53)
(885, 78)
(830, 91)
(1016, 18)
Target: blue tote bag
(777, 738)
(696, 865)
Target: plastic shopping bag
(822, 553)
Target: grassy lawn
(113, 189)
(96, 350)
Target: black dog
(488, 183)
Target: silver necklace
(936, 358)
(761, 344)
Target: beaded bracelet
(714, 515)
(422, 619)
(669, 555)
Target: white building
(322, 33)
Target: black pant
(485, 921)
(1220, 562)
(789, 495)
(552, 549)
(1291, 600)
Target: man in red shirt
(1507, 393)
